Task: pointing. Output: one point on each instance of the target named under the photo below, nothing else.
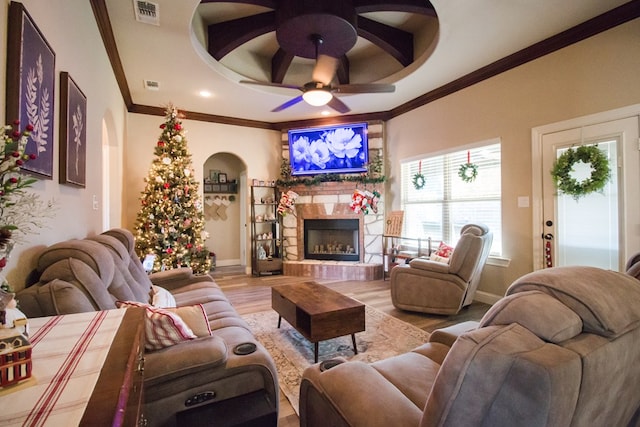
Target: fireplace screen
(331, 239)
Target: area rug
(384, 336)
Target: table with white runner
(67, 354)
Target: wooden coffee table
(317, 312)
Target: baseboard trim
(227, 262)
(486, 297)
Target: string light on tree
(170, 223)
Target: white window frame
(439, 191)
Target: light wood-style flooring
(251, 294)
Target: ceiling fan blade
(280, 85)
(338, 105)
(287, 104)
(365, 88)
(324, 70)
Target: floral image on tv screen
(330, 149)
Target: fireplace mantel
(331, 200)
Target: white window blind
(446, 202)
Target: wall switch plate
(523, 201)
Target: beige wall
(595, 75)
(598, 74)
(226, 229)
(79, 51)
(259, 150)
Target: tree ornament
(588, 154)
(468, 171)
(418, 179)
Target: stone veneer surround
(331, 200)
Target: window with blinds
(446, 202)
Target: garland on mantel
(373, 176)
(319, 179)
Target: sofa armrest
(450, 334)
(429, 265)
(177, 278)
(327, 398)
(183, 360)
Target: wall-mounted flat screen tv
(330, 149)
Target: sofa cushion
(542, 314)
(160, 297)
(504, 376)
(122, 260)
(86, 279)
(53, 298)
(195, 317)
(163, 328)
(600, 297)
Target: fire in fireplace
(331, 239)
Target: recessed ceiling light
(205, 94)
(325, 112)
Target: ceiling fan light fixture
(317, 97)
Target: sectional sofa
(211, 369)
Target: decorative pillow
(195, 317)
(444, 250)
(438, 258)
(162, 298)
(163, 328)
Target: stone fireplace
(330, 201)
(332, 239)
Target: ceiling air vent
(151, 85)
(147, 12)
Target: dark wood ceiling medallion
(299, 24)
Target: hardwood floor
(250, 294)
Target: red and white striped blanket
(67, 354)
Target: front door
(599, 229)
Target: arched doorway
(225, 208)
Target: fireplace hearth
(332, 239)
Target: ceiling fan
(319, 90)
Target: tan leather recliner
(561, 349)
(439, 288)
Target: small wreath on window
(600, 172)
(468, 172)
(419, 181)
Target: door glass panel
(587, 228)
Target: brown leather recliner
(443, 288)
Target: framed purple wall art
(73, 132)
(30, 87)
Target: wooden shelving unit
(266, 231)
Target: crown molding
(620, 15)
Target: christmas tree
(170, 223)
